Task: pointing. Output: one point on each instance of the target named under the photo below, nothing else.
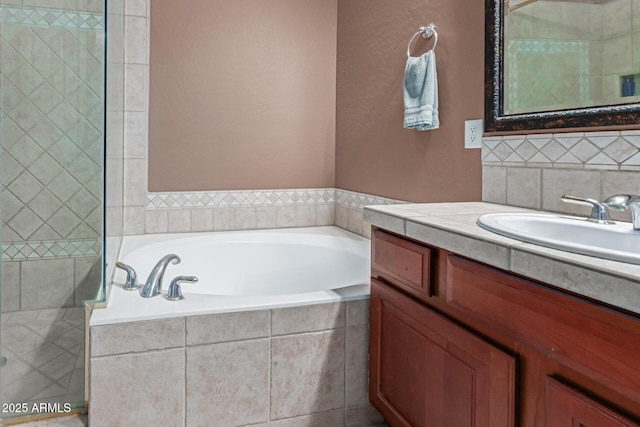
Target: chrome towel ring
(427, 32)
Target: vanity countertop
(452, 226)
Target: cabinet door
(428, 371)
(567, 407)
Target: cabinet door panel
(568, 407)
(428, 371)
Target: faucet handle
(622, 202)
(599, 212)
(174, 293)
(131, 283)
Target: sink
(617, 242)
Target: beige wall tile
(305, 215)
(557, 182)
(246, 218)
(88, 276)
(307, 373)
(135, 172)
(135, 135)
(47, 283)
(354, 220)
(341, 215)
(135, 81)
(136, 32)
(215, 328)
(357, 366)
(145, 389)
(325, 214)
(179, 220)
(133, 220)
(523, 187)
(286, 216)
(202, 219)
(136, 7)
(224, 219)
(156, 221)
(10, 286)
(494, 184)
(358, 313)
(137, 336)
(307, 318)
(266, 217)
(228, 383)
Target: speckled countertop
(452, 226)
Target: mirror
(560, 64)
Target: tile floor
(45, 356)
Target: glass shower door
(51, 190)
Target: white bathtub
(242, 270)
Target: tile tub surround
(452, 226)
(262, 367)
(534, 170)
(258, 209)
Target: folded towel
(421, 93)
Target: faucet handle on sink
(622, 202)
(131, 283)
(599, 212)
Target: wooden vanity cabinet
(457, 343)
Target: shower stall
(54, 111)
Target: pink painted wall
(374, 154)
(242, 94)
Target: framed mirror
(561, 64)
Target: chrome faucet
(622, 202)
(153, 285)
(599, 213)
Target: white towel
(421, 93)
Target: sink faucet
(599, 213)
(622, 202)
(153, 285)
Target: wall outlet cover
(473, 133)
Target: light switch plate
(473, 133)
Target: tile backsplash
(535, 170)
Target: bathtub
(242, 270)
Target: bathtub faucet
(153, 285)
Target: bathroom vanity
(469, 328)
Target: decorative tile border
(352, 199)
(616, 150)
(49, 18)
(244, 198)
(258, 198)
(18, 251)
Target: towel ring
(427, 32)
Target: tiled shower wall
(535, 170)
(51, 151)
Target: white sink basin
(617, 242)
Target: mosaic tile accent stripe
(256, 198)
(17, 251)
(352, 199)
(47, 18)
(616, 150)
(245, 198)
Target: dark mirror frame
(496, 121)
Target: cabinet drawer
(401, 262)
(566, 406)
(595, 341)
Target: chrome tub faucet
(153, 285)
